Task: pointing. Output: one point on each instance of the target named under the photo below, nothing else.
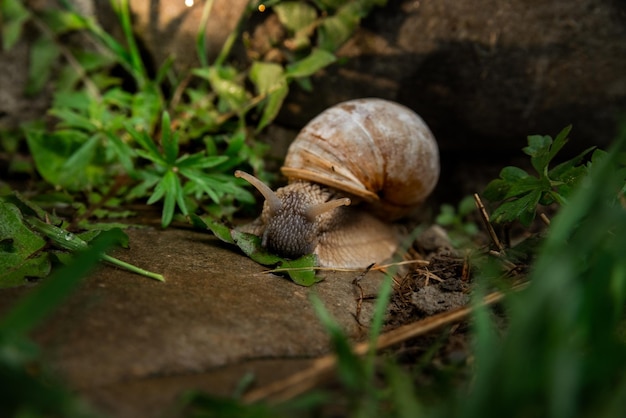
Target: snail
(353, 170)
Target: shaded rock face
(169, 28)
(131, 345)
(484, 74)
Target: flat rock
(131, 345)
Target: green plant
(521, 193)
(116, 134)
(460, 227)
(32, 241)
(562, 352)
(172, 137)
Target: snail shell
(377, 156)
(374, 149)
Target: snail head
(292, 216)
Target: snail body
(352, 170)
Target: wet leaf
(18, 250)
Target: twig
(465, 274)
(350, 270)
(429, 275)
(321, 368)
(485, 217)
(359, 303)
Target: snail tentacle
(316, 210)
(272, 200)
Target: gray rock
(132, 344)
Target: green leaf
(43, 53)
(19, 247)
(73, 119)
(203, 182)
(171, 190)
(220, 230)
(315, 61)
(447, 216)
(560, 140)
(350, 369)
(496, 190)
(123, 151)
(402, 391)
(513, 173)
(295, 15)
(568, 169)
(467, 205)
(58, 236)
(223, 82)
(336, 30)
(522, 209)
(525, 185)
(267, 76)
(539, 151)
(251, 246)
(270, 80)
(147, 144)
(169, 141)
(200, 161)
(331, 4)
(78, 100)
(273, 105)
(303, 272)
(14, 15)
(77, 163)
(146, 108)
(159, 192)
(62, 21)
(51, 153)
